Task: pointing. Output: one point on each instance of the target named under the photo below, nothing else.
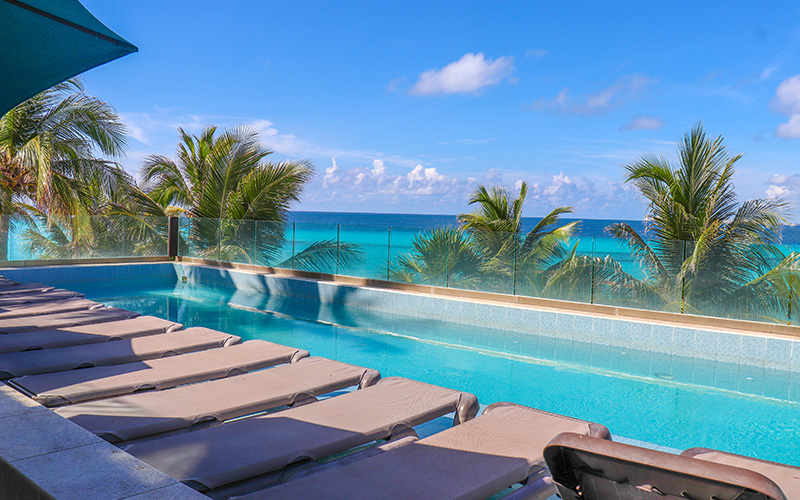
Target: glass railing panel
(740, 281)
(483, 261)
(315, 247)
(273, 244)
(363, 251)
(237, 241)
(554, 269)
(649, 278)
(421, 256)
(203, 241)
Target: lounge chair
(475, 460)
(89, 334)
(139, 415)
(64, 320)
(16, 364)
(786, 477)
(7, 291)
(234, 451)
(584, 468)
(37, 297)
(44, 308)
(54, 389)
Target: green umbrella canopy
(44, 42)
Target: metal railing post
(172, 237)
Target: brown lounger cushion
(37, 297)
(64, 320)
(6, 291)
(210, 458)
(87, 334)
(138, 415)
(16, 364)
(501, 447)
(44, 308)
(785, 476)
(106, 381)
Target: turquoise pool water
(665, 408)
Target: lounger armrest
(467, 409)
(298, 355)
(581, 464)
(369, 378)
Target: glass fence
(83, 237)
(754, 282)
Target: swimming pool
(664, 399)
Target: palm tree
(489, 250)
(527, 260)
(708, 253)
(48, 167)
(224, 185)
(441, 257)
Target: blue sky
(406, 106)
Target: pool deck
(68, 462)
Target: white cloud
(789, 130)
(623, 90)
(426, 187)
(643, 123)
(787, 102)
(466, 76)
(787, 96)
(784, 186)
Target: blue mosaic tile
(468, 312)
(582, 353)
(795, 355)
(778, 354)
(729, 347)
(497, 316)
(602, 331)
(776, 384)
(547, 348)
(547, 323)
(515, 319)
(705, 344)
(681, 368)
(453, 310)
(565, 326)
(619, 359)
(639, 362)
(704, 372)
(531, 321)
(641, 335)
(751, 380)
(529, 345)
(600, 355)
(583, 328)
(683, 341)
(753, 350)
(661, 366)
(794, 387)
(621, 334)
(726, 376)
(564, 350)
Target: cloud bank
(468, 75)
(787, 102)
